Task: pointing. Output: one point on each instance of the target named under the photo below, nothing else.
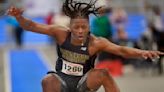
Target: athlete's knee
(100, 73)
(53, 80)
(49, 79)
(103, 73)
(95, 78)
(106, 79)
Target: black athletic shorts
(73, 83)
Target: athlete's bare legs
(98, 77)
(53, 83)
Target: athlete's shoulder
(60, 33)
(60, 28)
(97, 40)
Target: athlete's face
(79, 28)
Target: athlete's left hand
(151, 54)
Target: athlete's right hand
(15, 12)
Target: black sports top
(74, 59)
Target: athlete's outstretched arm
(127, 52)
(33, 26)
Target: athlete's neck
(77, 42)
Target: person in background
(17, 31)
(157, 26)
(119, 20)
(49, 18)
(155, 32)
(101, 27)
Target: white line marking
(7, 72)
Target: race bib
(72, 69)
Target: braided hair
(75, 9)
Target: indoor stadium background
(22, 69)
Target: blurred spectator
(157, 19)
(153, 39)
(158, 29)
(121, 36)
(101, 27)
(148, 42)
(119, 18)
(154, 20)
(49, 18)
(17, 30)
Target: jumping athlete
(77, 50)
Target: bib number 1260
(72, 69)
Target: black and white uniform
(72, 65)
